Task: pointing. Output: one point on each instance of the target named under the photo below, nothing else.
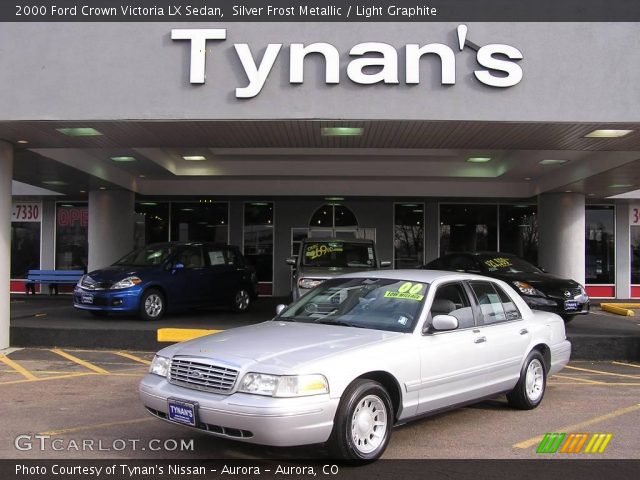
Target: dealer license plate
(571, 306)
(182, 412)
(87, 298)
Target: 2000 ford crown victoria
(357, 355)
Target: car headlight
(160, 366)
(82, 279)
(309, 282)
(283, 385)
(527, 289)
(126, 283)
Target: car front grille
(93, 285)
(573, 292)
(202, 376)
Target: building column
(623, 252)
(6, 175)
(111, 222)
(431, 230)
(561, 226)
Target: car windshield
(146, 256)
(505, 264)
(338, 254)
(375, 303)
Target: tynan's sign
(498, 61)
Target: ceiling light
(186, 209)
(150, 204)
(23, 141)
(142, 176)
(551, 161)
(54, 182)
(608, 133)
(123, 159)
(334, 199)
(194, 158)
(259, 204)
(79, 132)
(65, 205)
(102, 188)
(621, 185)
(479, 159)
(527, 178)
(83, 191)
(568, 191)
(417, 210)
(342, 131)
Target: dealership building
(426, 137)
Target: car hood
(329, 272)
(542, 281)
(118, 272)
(281, 346)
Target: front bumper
(280, 422)
(125, 300)
(557, 305)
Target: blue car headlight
(126, 283)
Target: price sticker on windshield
(317, 250)
(407, 291)
(499, 262)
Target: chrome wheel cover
(534, 380)
(242, 300)
(369, 424)
(153, 305)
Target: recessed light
(621, 185)
(142, 176)
(608, 133)
(123, 159)
(102, 188)
(79, 132)
(527, 178)
(54, 182)
(551, 161)
(150, 204)
(65, 205)
(259, 204)
(186, 209)
(341, 131)
(23, 141)
(568, 191)
(334, 199)
(417, 210)
(83, 191)
(194, 158)
(479, 159)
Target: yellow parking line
(603, 373)
(97, 425)
(79, 361)
(174, 335)
(578, 426)
(43, 379)
(18, 368)
(133, 357)
(594, 382)
(626, 364)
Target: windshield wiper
(343, 323)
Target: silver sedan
(358, 355)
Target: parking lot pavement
(59, 402)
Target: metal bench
(51, 277)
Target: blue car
(173, 275)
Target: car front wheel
(152, 305)
(241, 300)
(530, 389)
(362, 427)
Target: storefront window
(600, 245)
(519, 231)
(408, 235)
(635, 254)
(333, 215)
(202, 221)
(152, 223)
(25, 248)
(72, 221)
(468, 228)
(258, 240)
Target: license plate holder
(571, 306)
(87, 299)
(182, 411)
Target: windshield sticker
(407, 291)
(370, 251)
(499, 262)
(317, 250)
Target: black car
(169, 276)
(541, 290)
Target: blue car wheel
(152, 305)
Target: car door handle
(524, 331)
(480, 340)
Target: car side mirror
(280, 308)
(443, 323)
(543, 270)
(385, 264)
(176, 267)
(291, 261)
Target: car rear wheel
(568, 318)
(241, 300)
(152, 305)
(362, 427)
(530, 389)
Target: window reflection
(600, 244)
